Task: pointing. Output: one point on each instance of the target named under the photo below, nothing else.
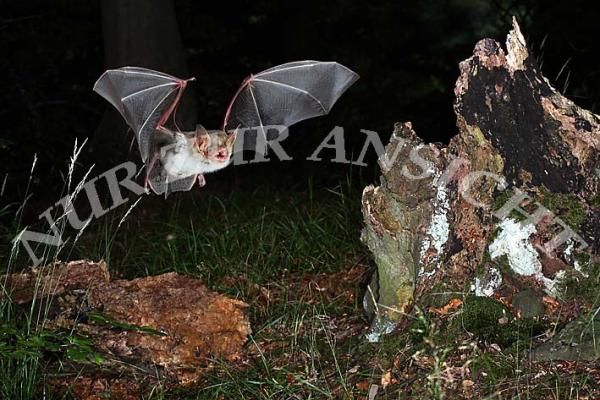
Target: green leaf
(97, 358)
(113, 323)
(77, 354)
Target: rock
(528, 304)
(577, 341)
(515, 190)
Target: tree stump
(510, 205)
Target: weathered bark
(445, 233)
(142, 34)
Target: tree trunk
(441, 225)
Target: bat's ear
(202, 137)
(231, 138)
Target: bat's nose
(220, 155)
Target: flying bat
(175, 160)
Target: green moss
(490, 321)
(480, 317)
(495, 234)
(583, 259)
(501, 200)
(480, 270)
(578, 287)
(486, 258)
(566, 206)
(438, 296)
(522, 331)
(503, 265)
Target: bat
(282, 96)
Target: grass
(248, 240)
(301, 246)
(233, 243)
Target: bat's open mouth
(221, 156)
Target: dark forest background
(407, 54)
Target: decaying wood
(167, 329)
(53, 280)
(199, 325)
(431, 241)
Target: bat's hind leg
(201, 180)
(150, 165)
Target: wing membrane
(145, 98)
(287, 94)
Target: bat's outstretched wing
(286, 94)
(145, 98)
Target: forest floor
(298, 262)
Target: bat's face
(215, 146)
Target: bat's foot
(148, 184)
(201, 180)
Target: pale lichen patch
(516, 48)
(553, 285)
(438, 231)
(487, 286)
(568, 252)
(513, 241)
(380, 327)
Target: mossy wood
(434, 227)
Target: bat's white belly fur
(187, 162)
